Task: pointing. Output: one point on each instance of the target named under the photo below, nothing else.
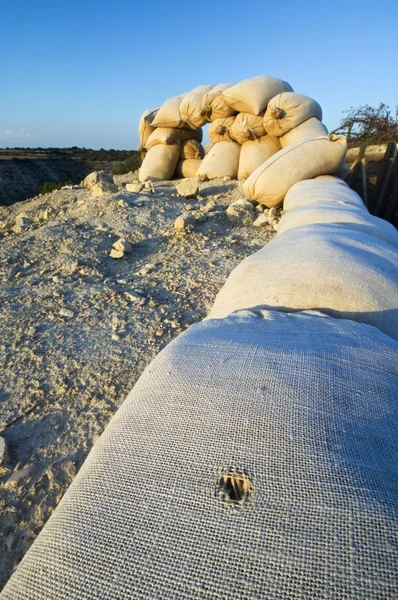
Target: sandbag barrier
(256, 455)
(269, 135)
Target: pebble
(240, 212)
(123, 245)
(262, 220)
(184, 222)
(133, 296)
(136, 188)
(64, 312)
(188, 188)
(159, 332)
(4, 457)
(17, 476)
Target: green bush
(50, 186)
(119, 169)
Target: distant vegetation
(132, 163)
(74, 153)
(50, 186)
(368, 125)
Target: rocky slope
(78, 327)
(22, 178)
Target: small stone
(184, 222)
(122, 204)
(115, 337)
(17, 476)
(133, 296)
(97, 177)
(4, 457)
(123, 246)
(262, 220)
(159, 332)
(22, 223)
(64, 312)
(240, 212)
(209, 206)
(188, 188)
(116, 253)
(100, 189)
(136, 188)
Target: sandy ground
(78, 327)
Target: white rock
(97, 177)
(4, 457)
(240, 212)
(184, 222)
(188, 188)
(64, 312)
(116, 253)
(262, 220)
(123, 246)
(134, 187)
(100, 189)
(22, 222)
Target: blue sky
(81, 73)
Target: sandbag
(191, 107)
(187, 168)
(214, 106)
(170, 135)
(305, 159)
(304, 406)
(220, 130)
(312, 128)
(160, 162)
(252, 95)
(191, 149)
(340, 270)
(247, 127)
(287, 110)
(221, 161)
(255, 153)
(324, 187)
(168, 114)
(145, 127)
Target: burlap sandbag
(213, 104)
(170, 135)
(191, 149)
(252, 95)
(312, 191)
(221, 161)
(287, 110)
(160, 162)
(145, 127)
(312, 128)
(168, 114)
(338, 269)
(305, 159)
(352, 216)
(191, 107)
(247, 127)
(220, 130)
(255, 153)
(304, 406)
(187, 168)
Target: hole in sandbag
(234, 488)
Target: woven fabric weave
(306, 404)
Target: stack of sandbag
(236, 114)
(165, 135)
(268, 134)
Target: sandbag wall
(257, 127)
(256, 455)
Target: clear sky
(80, 73)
